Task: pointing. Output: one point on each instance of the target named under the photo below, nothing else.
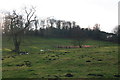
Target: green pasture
(99, 61)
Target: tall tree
(17, 26)
(116, 31)
(58, 24)
(73, 24)
(52, 21)
(36, 25)
(79, 36)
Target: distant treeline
(66, 29)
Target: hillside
(45, 60)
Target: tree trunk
(16, 44)
(17, 49)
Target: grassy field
(46, 61)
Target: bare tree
(79, 36)
(58, 23)
(36, 25)
(17, 26)
(116, 30)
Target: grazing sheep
(41, 50)
(22, 53)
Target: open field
(46, 61)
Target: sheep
(22, 53)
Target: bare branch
(29, 16)
(32, 13)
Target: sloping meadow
(45, 60)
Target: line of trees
(16, 26)
(51, 27)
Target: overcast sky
(84, 12)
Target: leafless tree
(116, 30)
(17, 25)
